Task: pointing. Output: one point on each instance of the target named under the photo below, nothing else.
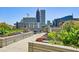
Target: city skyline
(11, 15)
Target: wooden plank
(36, 47)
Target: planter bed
(42, 45)
(4, 41)
(45, 47)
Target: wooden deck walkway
(20, 46)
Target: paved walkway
(20, 46)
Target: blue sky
(12, 14)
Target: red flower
(39, 39)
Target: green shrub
(6, 30)
(52, 35)
(69, 34)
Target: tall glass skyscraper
(42, 17)
(38, 15)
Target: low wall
(45, 47)
(4, 41)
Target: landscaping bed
(67, 36)
(4, 41)
(9, 30)
(10, 34)
(45, 47)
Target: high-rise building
(17, 25)
(38, 18)
(48, 22)
(38, 15)
(42, 17)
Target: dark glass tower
(38, 15)
(17, 25)
(42, 17)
